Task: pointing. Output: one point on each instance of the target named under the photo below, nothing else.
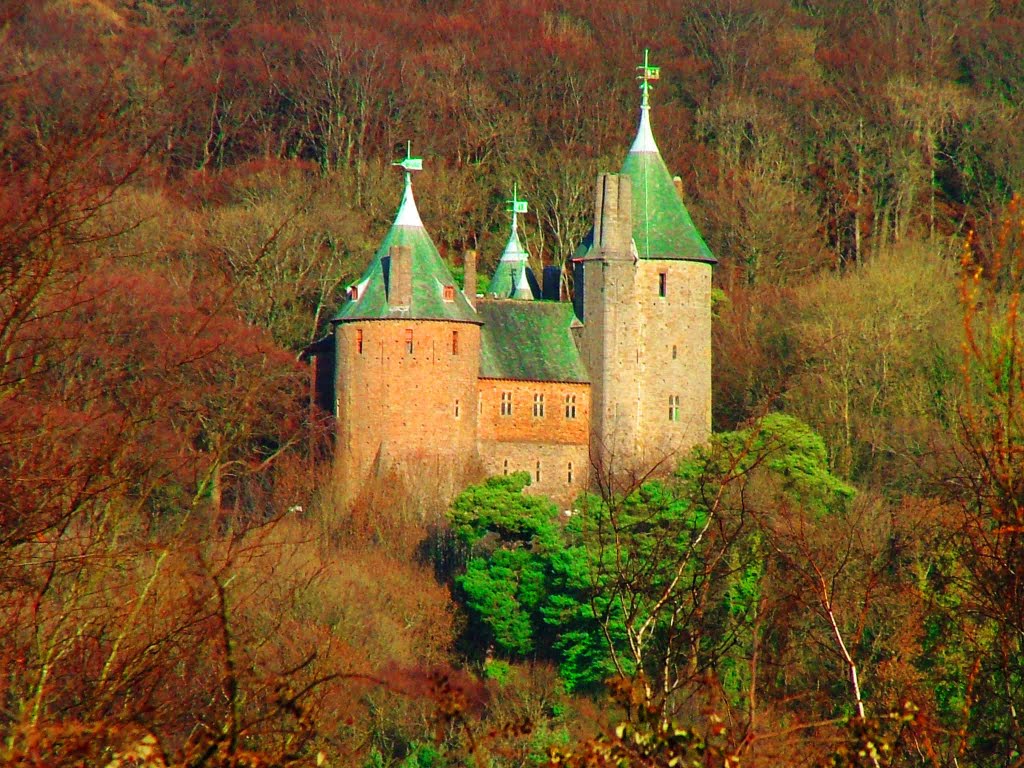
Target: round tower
(407, 345)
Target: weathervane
(647, 73)
(410, 163)
(515, 204)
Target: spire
(644, 141)
(523, 290)
(511, 269)
(408, 215)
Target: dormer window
(449, 293)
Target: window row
(538, 471)
(539, 399)
(409, 345)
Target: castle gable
(529, 341)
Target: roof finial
(407, 213)
(644, 141)
(410, 163)
(516, 205)
(647, 73)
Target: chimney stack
(469, 276)
(613, 215)
(399, 277)
(678, 183)
(552, 286)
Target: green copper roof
(513, 265)
(662, 227)
(529, 341)
(429, 277)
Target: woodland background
(187, 187)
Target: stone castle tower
(407, 356)
(643, 295)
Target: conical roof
(430, 276)
(512, 266)
(662, 227)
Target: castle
(433, 387)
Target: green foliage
(509, 536)
(663, 578)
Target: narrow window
(675, 351)
(662, 283)
(504, 468)
(570, 406)
(480, 404)
(457, 408)
(673, 407)
(568, 473)
(408, 341)
(538, 405)
(455, 342)
(538, 470)
(506, 403)
(359, 341)
(449, 293)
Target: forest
(837, 579)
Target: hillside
(188, 188)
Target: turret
(513, 270)
(407, 357)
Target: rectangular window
(675, 351)
(568, 473)
(455, 342)
(359, 341)
(673, 407)
(506, 403)
(408, 341)
(538, 406)
(662, 283)
(449, 293)
(538, 470)
(457, 409)
(504, 467)
(570, 406)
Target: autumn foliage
(186, 189)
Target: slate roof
(513, 262)
(429, 277)
(529, 341)
(662, 227)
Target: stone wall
(403, 411)
(674, 353)
(563, 469)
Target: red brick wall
(522, 425)
(398, 409)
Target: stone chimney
(399, 277)
(613, 216)
(469, 276)
(678, 183)
(552, 286)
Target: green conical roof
(430, 276)
(511, 269)
(662, 227)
